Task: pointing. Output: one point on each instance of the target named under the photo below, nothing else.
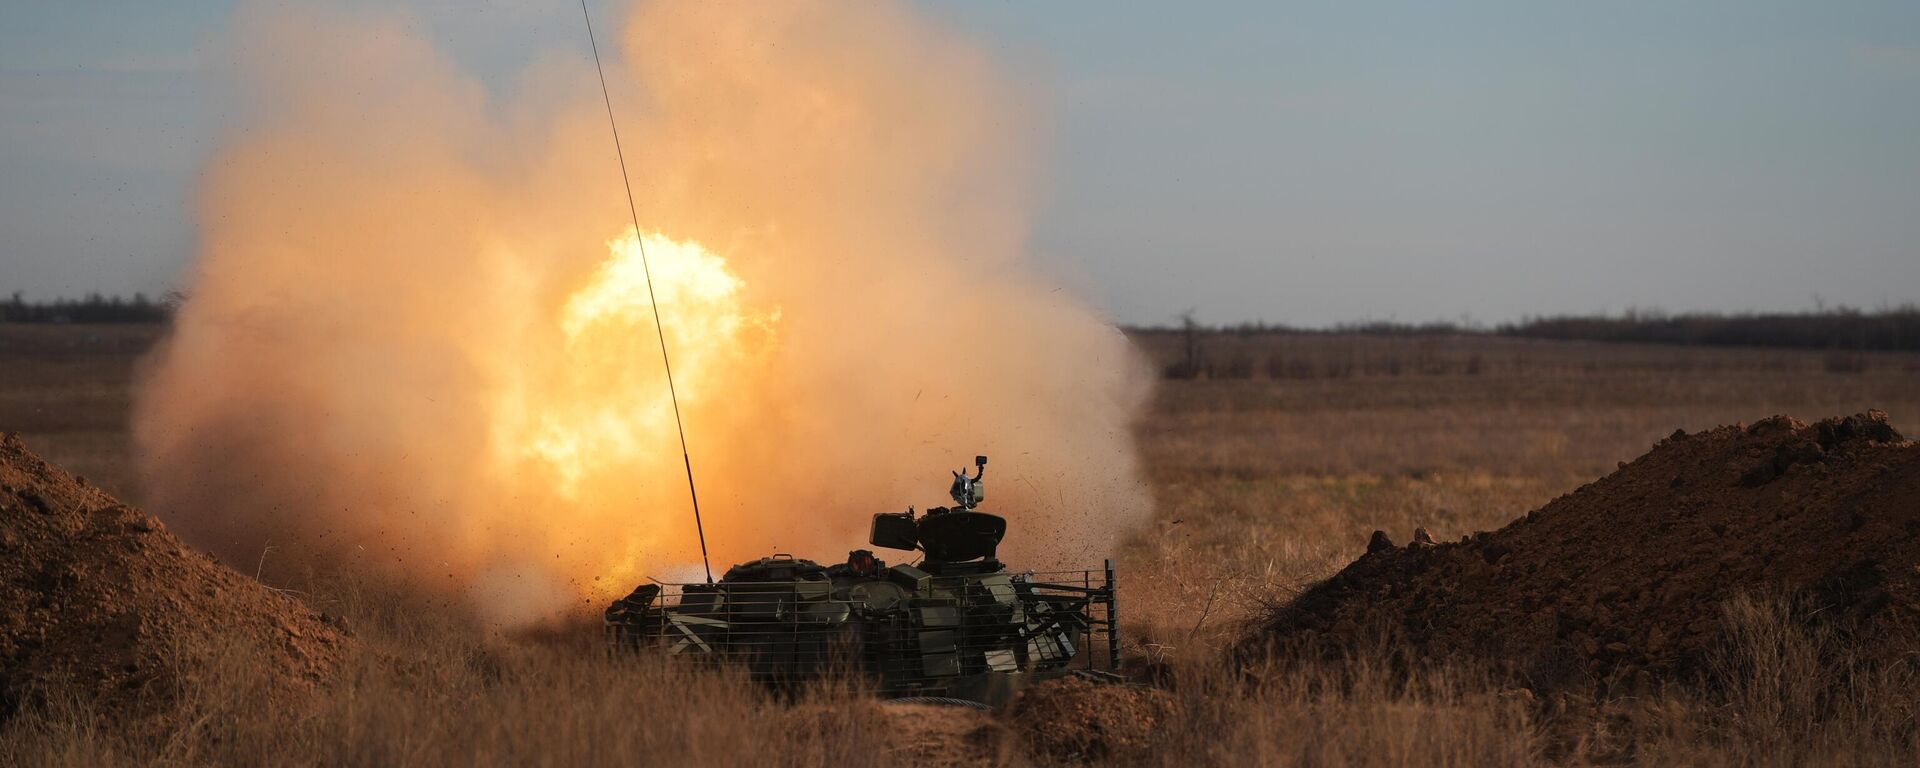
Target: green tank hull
(957, 624)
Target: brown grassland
(1266, 478)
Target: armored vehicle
(956, 624)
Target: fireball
(609, 390)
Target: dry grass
(430, 688)
(1361, 713)
(66, 390)
(1263, 485)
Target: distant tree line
(94, 308)
(1187, 326)
(1838, 329)
(1844, 328)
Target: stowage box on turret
(955, 624)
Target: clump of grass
(1364, 712)
(1787, 688)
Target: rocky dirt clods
(98, 598)
(1621, 582)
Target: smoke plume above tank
(417, 336)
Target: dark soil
(1075, 720)
(1622, 582)
(98, 599)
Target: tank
(953, 624)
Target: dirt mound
(1075, 720)
(97, 597)
(1622, 581)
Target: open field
(1266, 482)
(1266, 478)
(68, 390)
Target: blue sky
(1307, 163)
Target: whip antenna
(646, 271)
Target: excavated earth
(1623, 580)
(97, 598)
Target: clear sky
(1304, 163)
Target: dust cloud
(418, 338)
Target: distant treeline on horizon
(94, 308)
(1843, 328)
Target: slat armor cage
(977, 636)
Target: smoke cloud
(418, 334)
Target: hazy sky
(1304, 163)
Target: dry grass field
(1265, 482)
(67, 389)
(1265, 479)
